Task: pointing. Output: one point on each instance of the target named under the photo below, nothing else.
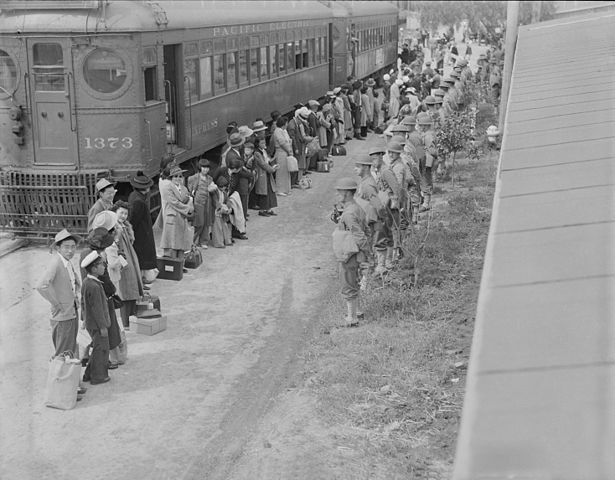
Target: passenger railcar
(103, 88)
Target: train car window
(254, 78)
(48, 67)
(190, 79)
(243, 67)
(263, 64)
(149, 80)
(205, 77)
(254, 41)
(231, 71)
(304, 53)
(104, 70)
(191, 49)
(232, 44)
(206, 47)
(298, 58)
(8, 74)
(219, 70)
(290, 57)
(281, 59)
(273, 60)
(220, 45)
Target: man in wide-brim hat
(60, 285)
(140, 218)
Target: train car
(105, 88)
(363, 39)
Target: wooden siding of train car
(372, 58)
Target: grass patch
(396, 383)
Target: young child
(221, 230)
(96, 316)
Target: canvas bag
(63, 381)
(344, 245)
(293, 165)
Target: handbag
(344, 245)
(84, 341)
(193, 258)
(63, 381)
(293, 165)
(313, 147)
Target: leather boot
(351, 317)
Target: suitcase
(148, 302)
(322, 166)
(193, 258)
(154, 322)
(170, 268)
(338, 150)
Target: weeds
(397, 381)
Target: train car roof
(540, 397)
(131, 16)
(346, 8)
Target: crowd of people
(258, 164)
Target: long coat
(128, 282)
(264, 174)
(177, 204)
(141, 221)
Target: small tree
(452, 136)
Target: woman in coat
(326, 127)
(141, 220)
(283, 148)
(200, 186)
(177, 206)
(128, 283)
(265, 184)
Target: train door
(51, 94)
(173, 88)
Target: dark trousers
(129, 307)
(244, 203)
(294, 178)
(96, 369)
(64, 336)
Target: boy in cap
(353, 220)
(106, 191)
(61, 286)
(96, 317)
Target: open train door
(51, 94)
(174, 95)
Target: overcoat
(141, 221)
(177, 204)
(264, 174)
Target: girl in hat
(129, 284)
(265, 186)
(200, 186)
(221, 229)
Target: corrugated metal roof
(540, 400)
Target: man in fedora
(140, 218)
(106, 191)
(60, 285)
(236, 141)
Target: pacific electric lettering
(258, 28)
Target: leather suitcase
(322, 166)
(338, 150)
(170, 268)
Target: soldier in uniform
(400, 170)
(351, 219)
(424, 126)
(414, 153)
(389, 190)
(431, 105)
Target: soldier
(424, 125)
(389, 192)
(367, 198)
(400, 170)
(414, 155)
(349, 218)
(466, 73)
(431, 106)
(449, 102)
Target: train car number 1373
(111, 142)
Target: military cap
(448, 79)
(400, 127)
(346, 184)
(430, 100)
(424, 119)
(363, 159)
(438, 93)
(462, 62)
(455, 75)
(377, 150)
(395, 145)
(408, 120)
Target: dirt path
(189, 401)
